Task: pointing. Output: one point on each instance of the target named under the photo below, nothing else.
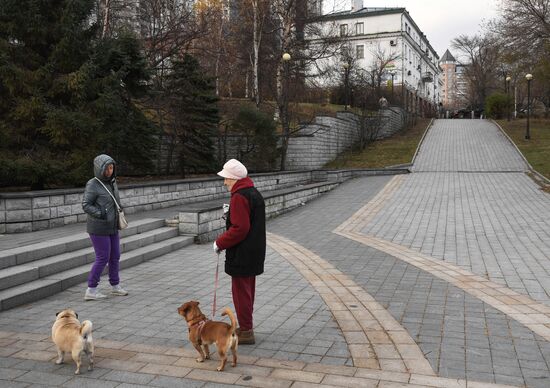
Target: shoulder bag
(122, 222)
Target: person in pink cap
(244, 242)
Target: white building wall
(394, 33)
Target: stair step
(14, 276)
(33, 252)
(41, 288)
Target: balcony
(427, 77)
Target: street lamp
(508, 79)
(392, 73)
(528, 77)
(285, 119)
(345, 66)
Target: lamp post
(508, 79)
(345, 66)
(285, 119)
(392, 73)
(528, 77)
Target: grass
(398, 149)
(536, 150)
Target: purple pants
(107, 251)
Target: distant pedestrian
(244, 242)
(383, 102)
(98, 202)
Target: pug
(69, 335)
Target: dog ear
(57, 313)
(76, 315)
(196, 303)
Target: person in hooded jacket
(244, 242)
(102, 226)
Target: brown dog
(70, 336)
(203, 332)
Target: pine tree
(66, 96)
(193, 107)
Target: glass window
(343, 29)
(360, 51)
(359, 28)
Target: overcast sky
(441, 21)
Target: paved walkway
(411, 280)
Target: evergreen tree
(193, 107)
(64, 96)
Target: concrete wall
(327, 137)
(37, 210)
(207, 224)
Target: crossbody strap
(112, 196)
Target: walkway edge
(531, 169)
(421, 141)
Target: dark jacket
(97, 203)
(244, 240)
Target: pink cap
(233, 169)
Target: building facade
(454, 90)
(390, 35)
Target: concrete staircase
(39, 270)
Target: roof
(365, 11)
(448, 57)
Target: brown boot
(246, 337)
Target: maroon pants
(243, 290)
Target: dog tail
(86, 329)
(227, 311)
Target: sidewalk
(351, 295)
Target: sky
(441, 21)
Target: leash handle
(215, 287)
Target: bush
(259, 129)
(497, 105)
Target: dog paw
(200, 360)
(219, 369)
(77, 372)
(208, 357)
(233, 364)
(57, 362)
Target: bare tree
(481, 59)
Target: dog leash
(215, 288)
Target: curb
(421, 141)
(537, 174)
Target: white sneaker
(118, 290)
(93, 294)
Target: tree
(65, 97)
(524, 30)
(192, 106)
(482, 57)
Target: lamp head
(529, 77)
(286, 57)
(508, 78)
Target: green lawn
(536, 150)
(398, 149)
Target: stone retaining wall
(37, 210)
(206, 223)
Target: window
(359, 28)
(360, 51)
(343, 29)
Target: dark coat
(245, 238)
(97, 203)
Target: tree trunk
(257, 39)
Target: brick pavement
(467, 145)
(333, 292)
